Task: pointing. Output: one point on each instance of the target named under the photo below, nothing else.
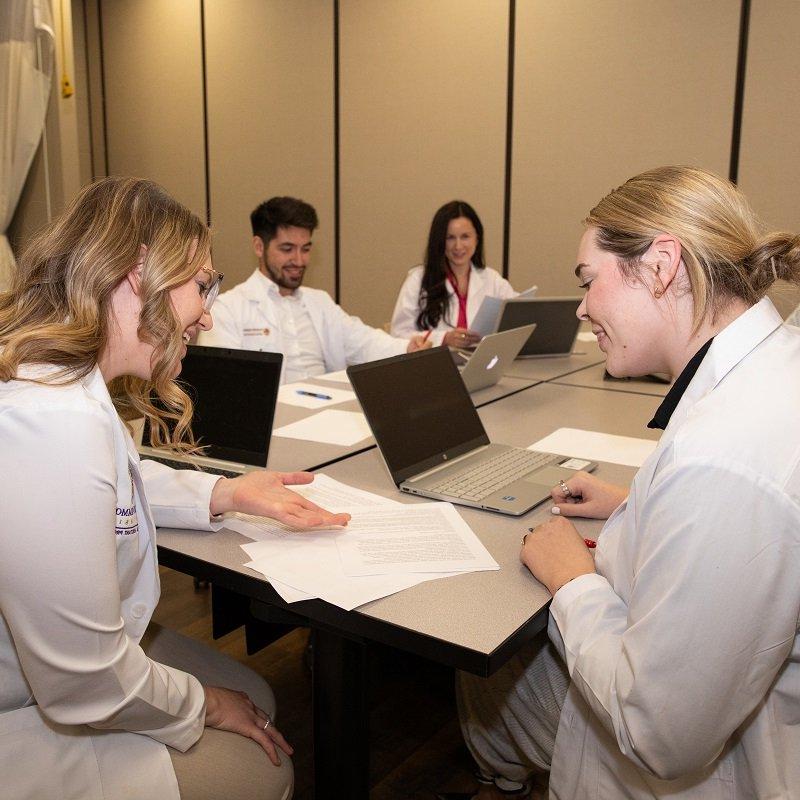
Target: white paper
(528, 293)
(329, 427)
(327, 492)
(303, 565)
(485, 321)
(335, 377)
(586, 336)
(308, 395)
(309, 566)
(427, 537)
(322, 577)
(597, 446)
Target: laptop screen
(419, 410)
(556, 323)
(234, 394)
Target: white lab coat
(683, 649)
(482, 283)
(83, 712)
(247, 318)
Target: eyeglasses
(210, 290)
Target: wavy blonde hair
(58, 309)
(725, 253)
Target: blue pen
(313, 394)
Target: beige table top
(288, 455)
(593, 378)
(584, 354)
(479, 611)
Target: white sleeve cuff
(570, 591)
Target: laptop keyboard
(175, 464)
(477, 482)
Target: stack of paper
(387, 547)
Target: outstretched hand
(264, 494)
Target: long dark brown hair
(433, 299)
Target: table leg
(341, 717)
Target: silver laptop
(433, 442)
(234, 394)
(492, 358)
(556, 323)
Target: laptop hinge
(435, 469)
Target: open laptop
(556, 323)
(433, 442)
(234, 394)
(492, 358)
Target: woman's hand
(587, 496)
(418, 342)
(555, 553)
(264, 494)
(232, 711)
(461, 337)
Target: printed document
(428, 537)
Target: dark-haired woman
(443, 295)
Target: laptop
(434, 444)
(556, 323)
(492, 358)
(234, 394)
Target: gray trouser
(221, 764)
(509, 721)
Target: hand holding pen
(419, 342)
(555, 553)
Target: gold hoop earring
(658, 292)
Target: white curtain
(27, 45)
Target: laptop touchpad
(549, 476)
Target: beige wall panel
(603, 91)
(154, 94)
(769, 167)
(423, 112)
(270, 122)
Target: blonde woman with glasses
(91, 705)
(672, 668)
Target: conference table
(288, 454)
(474, 622)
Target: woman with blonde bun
(672, 668)
(92, 702)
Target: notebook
(433, 443)
(492, 358)
(234, 394)
(556, 323)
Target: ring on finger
(565, 490)
(267, 723)
(524, 537)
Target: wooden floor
(415, 743)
